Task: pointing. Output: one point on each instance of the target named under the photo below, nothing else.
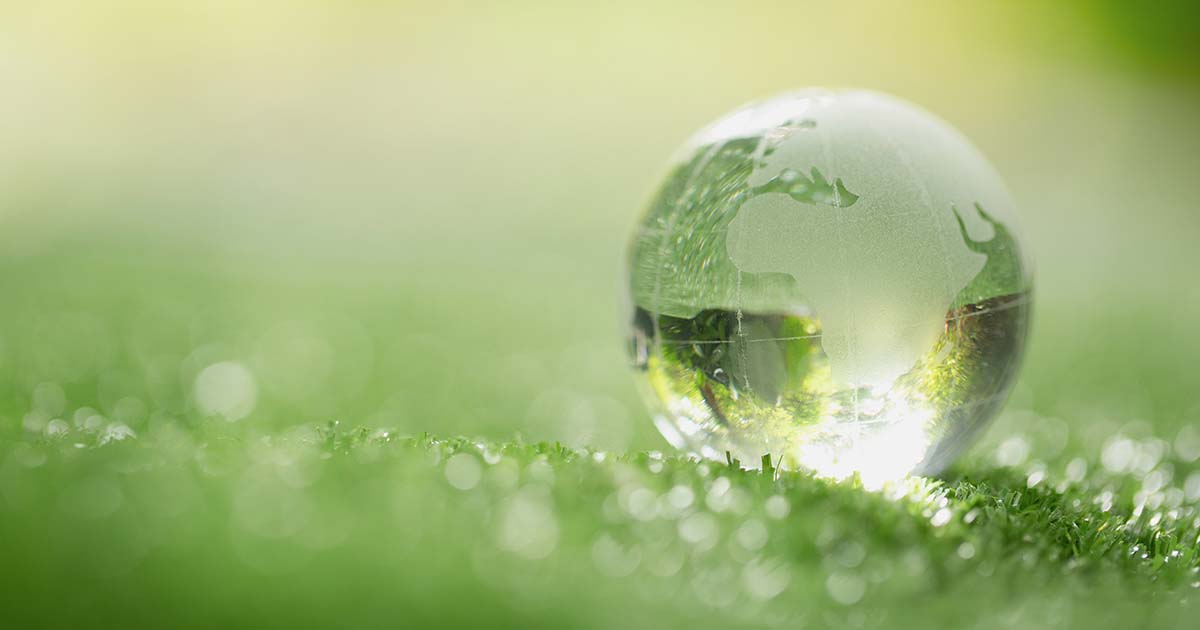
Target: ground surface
(206, 448)
(317, 525)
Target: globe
(831, 279)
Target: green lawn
(126, 500)
(318, 525)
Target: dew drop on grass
(1118, 454)
(777, 507)
(639, 502)
(1077, 470)
(116, 432)
(226, 389)
(49, 399)
(1035, 477)
(529, 527)
(699, 529)
(752, 535)
(463, 471)
(1012, 451)
(1192, 486)
(1187, 444)
(766, 579)
(845, 588)
(681, 497)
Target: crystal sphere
(832, 278)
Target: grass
(125, 502)
(320, 525)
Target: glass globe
(831, 278)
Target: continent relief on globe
(870, 272)
(760, 239)
(816, 266)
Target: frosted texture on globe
(834, 278)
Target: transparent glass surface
(834, 278)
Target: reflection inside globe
(756, 384)
(833, 279)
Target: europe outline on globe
(833, 277)
(896, 274)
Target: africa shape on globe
(832, 278)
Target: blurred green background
(412, 216)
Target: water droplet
(765, 579)
(1035, 477)
(752, 535)
(115, 432)
(681, 497)
(1012, 451)
(1187, 443)
(226, 389)
(528, 526)
(1076, 470)
(699, 529)
(1118, 454)
(49, 399)
(639, 502)
(845, 588)
(463, 471)
(777, 507)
